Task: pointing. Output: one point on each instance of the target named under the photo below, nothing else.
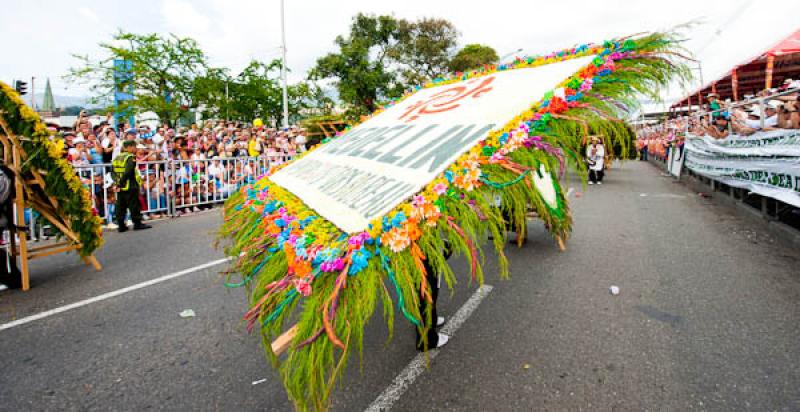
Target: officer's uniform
(128, 181)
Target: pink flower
(496, 157)
(418, 201)
(440, 188)
(302, 286)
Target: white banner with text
(393, 155)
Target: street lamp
(283, 69)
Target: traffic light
(21, 87)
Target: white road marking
(109, 295)
(412, 371)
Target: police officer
(128, 180)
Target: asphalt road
(707, 319)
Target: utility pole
(227, 104)
(283, 69)
(33, 95)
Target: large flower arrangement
(287, 254)
(61, 181)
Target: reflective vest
(118, 169)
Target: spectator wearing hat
(78, 155)
(713, 104)
(131, 134)
(719, 128)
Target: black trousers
(433, 283)
(128, 200)
(595, 175)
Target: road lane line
(412, 371)
(108, 295)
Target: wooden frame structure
(30, 193)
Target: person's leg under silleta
(592, 176)
(600, 174)
(433, 286)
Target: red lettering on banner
(448, 99)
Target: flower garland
(61, 181)
(337, 274)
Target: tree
(256, 93)
(361, 67)
(162, 75)
(209, 94)
(473, 56)
(425, 48)
(382, 56)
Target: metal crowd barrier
(170, 187)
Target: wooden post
(282, 342)
(714, 87)
(735, 84)
(770, 68)
(20, 220)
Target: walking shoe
(112, 226)
(440, 321)
(591, 183)
(442, 340)
(141, 226)
(599, 183)
(122, 229)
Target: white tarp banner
(378, 164)
(767, 163)
(675, 160)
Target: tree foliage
(163, 72)
(424, 49)
(472, 56)
(382, 56)
(361, 66)
(256, 93)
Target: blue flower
(385, 225)
(280, 223)
(300, 251)
(398, 219)
(359, 260)
(504, 139)
(448, 175)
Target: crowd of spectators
(186, 167)
(772, 109)
(87, 144)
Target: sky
(41, 36)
